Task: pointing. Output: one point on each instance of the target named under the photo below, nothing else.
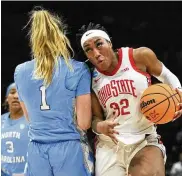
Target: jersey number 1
(44, 105)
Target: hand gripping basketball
(179, 112)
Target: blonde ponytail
(48, 42)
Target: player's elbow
(84, 115)
(85, 125)
(84, 121)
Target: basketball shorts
(58, 159)
(112, 159)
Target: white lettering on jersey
(11, 134)
(14, 159)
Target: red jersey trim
(117, 67)
(136, 69)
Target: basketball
(159, 102)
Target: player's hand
(106, 127)
(179, 112)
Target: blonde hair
(48, 42)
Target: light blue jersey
(14, 144)
(51, 109)
(55, 148)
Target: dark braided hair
(85, 28)
(81, 56)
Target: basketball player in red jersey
(127, 142)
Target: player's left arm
(18, 81)
(146, 57)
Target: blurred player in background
(50, 87)
(14, 135)
(127, 141)
(176, 169)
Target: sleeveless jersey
(120, 91)
(14, 144)
(51, 109)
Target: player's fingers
(115, 132)
(178, 114)
(113, 124)
(176, 117)
(112, 131)
(114, 139)
(180, 94)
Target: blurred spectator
(179, 137)
(176, 169)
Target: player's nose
(96, 54)
(15, 95)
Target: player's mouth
(15, 102)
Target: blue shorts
(58, 159)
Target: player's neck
(114, 63)
(16, 114)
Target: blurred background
(157, 25)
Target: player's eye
(87, 50)
(99, 44)
(12, 91)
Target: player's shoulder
(79, 67)
(77, 64)
(142, 51)
(23, 66)
(4, 116)
(21, 71)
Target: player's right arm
(24, 110)
(146, 58)
(99, 125)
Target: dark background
(157, 25)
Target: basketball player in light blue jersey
(14, 135)
(50, 88)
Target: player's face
(99, 52)
(12, 100)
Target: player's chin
(102, 67)
(15, 106)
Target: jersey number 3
(121, 108)
(43, 105)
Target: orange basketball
(159, 103)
